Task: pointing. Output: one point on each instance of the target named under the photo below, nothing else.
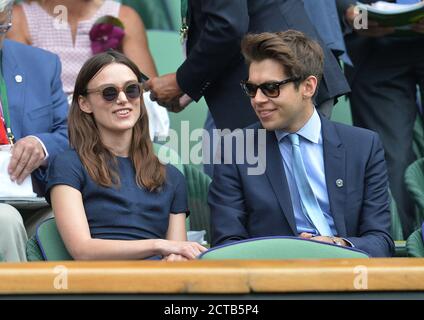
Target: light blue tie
(308, 200)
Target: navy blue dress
(125, 213)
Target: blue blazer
(38, 106)
(246, 206)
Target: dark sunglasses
(110, 92)
(270, 89)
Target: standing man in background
(384, 77)
(214, 66)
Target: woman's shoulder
(130, 17)
(173, 174)
(68, 158)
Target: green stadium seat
(50, 242)
(197, 188)
(415, 245)
(396, 230)
(418, 139)
(341, 112)
(276, 248)
(157, 14)
(414, 180)
(33, 251)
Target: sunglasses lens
(110, 93)
(250, 89)
(271, 90)
(133, 91)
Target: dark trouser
(383, 99)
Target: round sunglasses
(110, 92)
(270, 89)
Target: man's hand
(27, 156)
(419, 26)
(373, 28)
(179, 104)
(332, 240)
(164, 89)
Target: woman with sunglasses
(111, 196)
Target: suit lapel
(15, 90)
(335, 170)
(277, 177)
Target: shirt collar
(310, 131)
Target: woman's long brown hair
(84, 135)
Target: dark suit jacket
(360, 48)
(215, 66)
(246, 206)
(38, 105)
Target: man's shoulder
(348, 132)
(27, 51)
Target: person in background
(33, 109)
(386, 72)
(65, 27)
(322, 180)
(112, 198)
(215, 66)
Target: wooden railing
(213, 277)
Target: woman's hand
(174, 257)
(186, 249)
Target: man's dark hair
(300, 56)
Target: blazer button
(339, 183)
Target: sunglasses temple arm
(144, 77)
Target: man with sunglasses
(214, 64)
(322, 180)
(33, 115)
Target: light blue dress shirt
(313, 158)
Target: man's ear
(84, 104)
(309, 86)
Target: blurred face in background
(5, 23)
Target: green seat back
(415, 245)
(33, 251)
(418, 138)
(50, 242)
(276, 248)
(197, 188)
(396, 231)
(414, 180)
(341, 112)
(157, 14)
